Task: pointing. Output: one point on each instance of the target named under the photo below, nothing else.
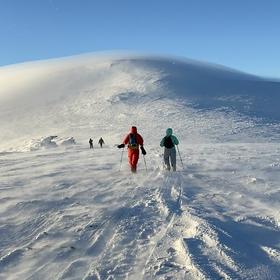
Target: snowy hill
(68, 213)
(69, 96)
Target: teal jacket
(174, 139)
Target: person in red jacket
(133, 140)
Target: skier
(90, 143)
(133, 140)
(101, 142)
(169, 142)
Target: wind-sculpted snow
(69, 212)
(80, 218)
(72, 96)
(46, 143)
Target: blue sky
(243, 34)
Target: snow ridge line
(205, 236)
(192, 261)
(170, 218)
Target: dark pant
(170, 156)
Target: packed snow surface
(68, 212)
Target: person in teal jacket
(169, 142)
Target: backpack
(132, 142)
(168, 142)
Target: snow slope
(68, 212)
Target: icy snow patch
(46, 143)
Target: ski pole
(121, 159)
(145, 163)
(180, 157)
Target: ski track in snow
(155, 225)
(67, 212)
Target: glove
(121, 146)
(143, 150)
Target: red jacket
(139, 139)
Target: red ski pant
(133, 156)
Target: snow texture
(68, 212)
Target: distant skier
(133, 140)
(101, 142)
(169, 142)
(90, 143)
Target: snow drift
(67, 212)
(69, 95)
